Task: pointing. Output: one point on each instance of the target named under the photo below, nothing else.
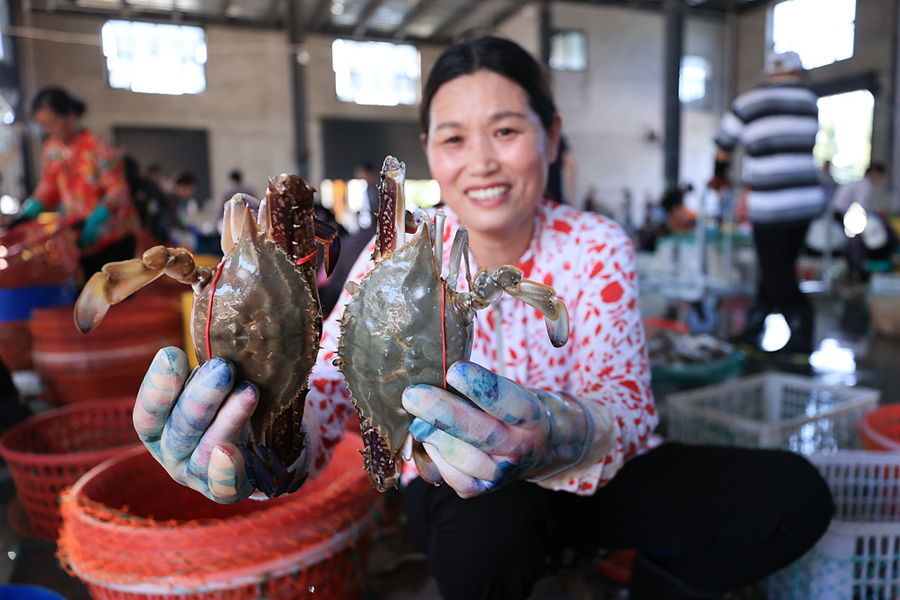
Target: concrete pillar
(674, 49)
(298, 58)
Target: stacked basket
(129, 531)
(858, 556)
(52, 450)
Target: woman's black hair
(499, 55)
(59, 101)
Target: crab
(259, 309)
(404, 325)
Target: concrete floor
(398, 571)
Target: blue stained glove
(92, 225)
(498, 431)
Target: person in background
(366, 171)
(777, 124)
(679, 218)
(84, 179)
(154, 173)
(183, 189)
(154, 206)
(877, 240)
(540, 449)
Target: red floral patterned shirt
(79, 175)
(590, 263)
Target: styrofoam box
(859, 555)
(771, 410)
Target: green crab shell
(266, 320)
(391, 338)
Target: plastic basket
(771, 410)
(880, 429)
(684, 376)
(859, 554)
(39, 253)
(50, 451)
(131, 532)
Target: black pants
(777, 247)
(706, 519)
(121, 250)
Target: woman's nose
(482, 156)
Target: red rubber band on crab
(306, 258)
(212, 290)
(444, 330)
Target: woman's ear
(423, 138)
(553, 136)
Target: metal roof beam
(366, 16)
(455, 17)
(411, 15)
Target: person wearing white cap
(776, 123)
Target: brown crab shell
(391, 338)
(267, 321)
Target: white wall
(613, 114)
(245, 108)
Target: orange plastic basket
(131, 532)
(50, 451)
(39, 253)
(880, 429)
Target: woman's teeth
(488, 193)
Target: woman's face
(489, 152)
(60, 127)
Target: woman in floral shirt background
(84, 179)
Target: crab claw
(112, 284)
(509, 279)
(331, 244)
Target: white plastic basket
(771, 410)
(859, 555)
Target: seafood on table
(404, 324)
(259, 309)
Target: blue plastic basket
(27, 592)
(17, 303)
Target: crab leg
(118, 280)
(391, 210)
(489, 284)
(331, 244)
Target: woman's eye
(453, 139)
(505, 131)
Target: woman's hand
(506, 432)
(191, 425)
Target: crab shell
(391, 338)
(266, 320)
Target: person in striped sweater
(776, 123)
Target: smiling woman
(543, 449)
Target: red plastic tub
(51, 450)
(112, 359)
(130, 531)
(880, 429)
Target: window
(845, 133)
(568, 51)
(692, 78)
(155, 59)
(376, 73)
(820, 31)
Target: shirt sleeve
(114, 192)
(47, 191)
(611, 376)
(329, 399)
(729, 131)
